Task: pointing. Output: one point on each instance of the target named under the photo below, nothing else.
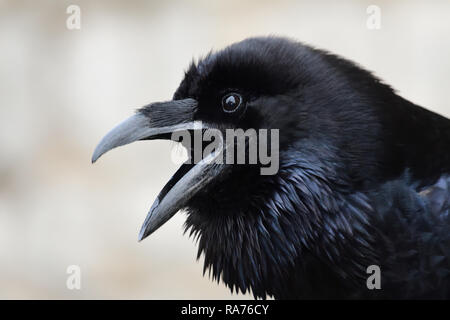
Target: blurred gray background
(61, 90)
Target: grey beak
(150, 121)
(132, 129)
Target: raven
(363, 179)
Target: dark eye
(231, 101)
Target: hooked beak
(159, 121)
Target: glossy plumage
(362, 180)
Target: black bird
(363, 176)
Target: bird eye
(231, 102)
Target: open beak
(159, 121)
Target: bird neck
(296, 218)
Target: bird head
(254, 84)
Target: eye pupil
(231, 102)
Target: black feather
(363, 179)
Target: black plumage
(363, 179)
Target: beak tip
(98, 152)
(142, 235)
(95, 156)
